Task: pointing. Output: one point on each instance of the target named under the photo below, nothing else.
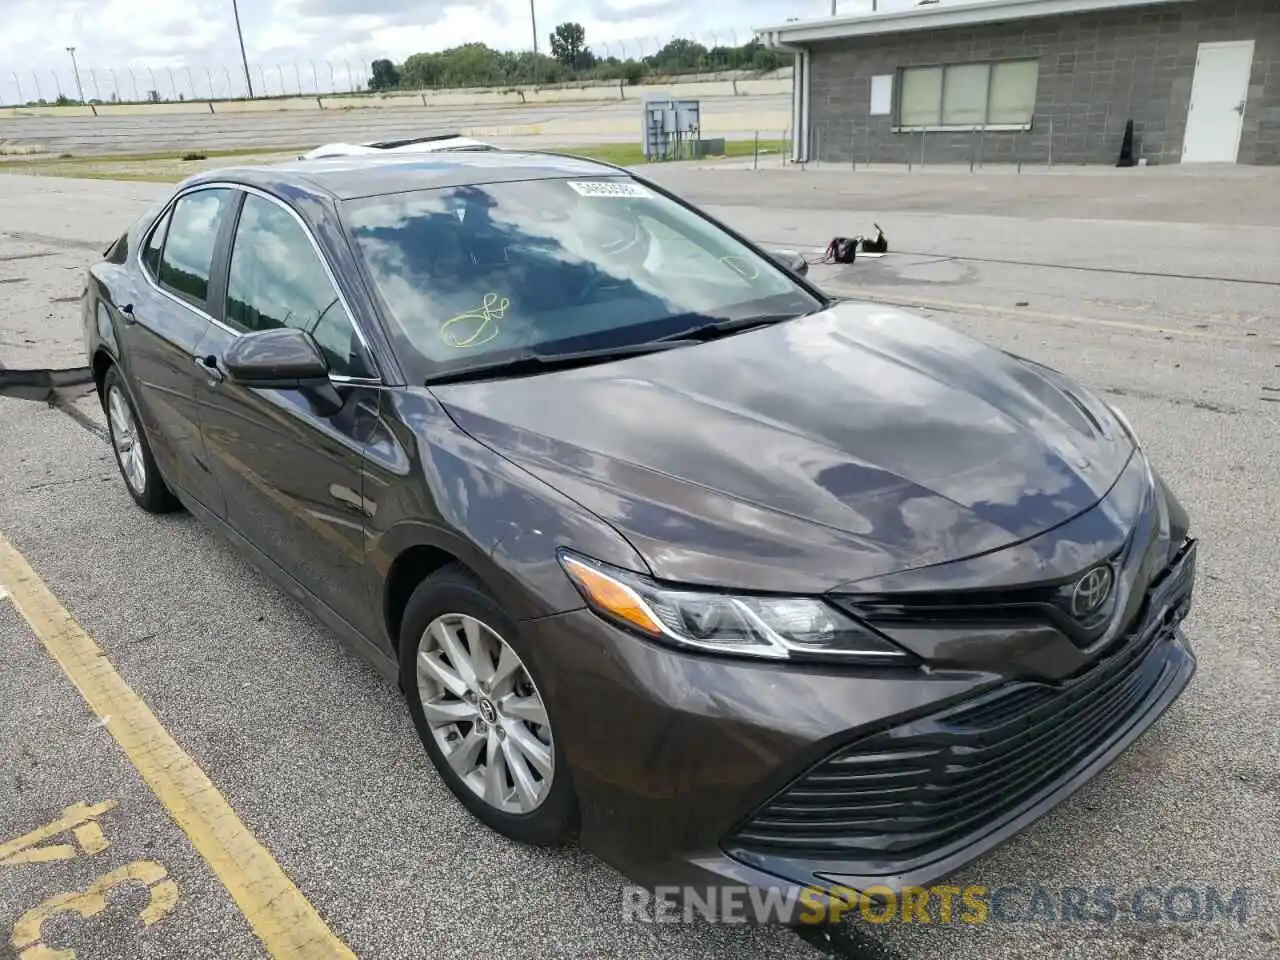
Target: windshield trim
(387, 317)
(529, 363)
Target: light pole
(76, 71)
(873, 7)
(235, 9)
(533, 21)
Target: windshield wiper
(718, 328)
(525, 363)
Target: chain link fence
(164, 84)
(716, 55)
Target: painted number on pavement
(84, 838)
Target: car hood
(812, 453)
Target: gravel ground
(1158, 289)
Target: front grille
(1043, 603)
(919, 787)
(1047, 603)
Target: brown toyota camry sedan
(667, 549)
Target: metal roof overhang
(789, 36)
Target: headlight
(778, 628)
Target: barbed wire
(710, 52)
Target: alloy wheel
(485, 713)
(126, 440)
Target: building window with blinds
(969, 95)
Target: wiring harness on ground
(845, 249)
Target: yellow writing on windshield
(475, 327)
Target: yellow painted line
(284, 920)
(1027, 314)
(79, 819)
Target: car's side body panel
(289, 472)
(476, 505)
(291, 479)
(155, 337)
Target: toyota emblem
(1091, 591)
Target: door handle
(209, 364)
(348, 498)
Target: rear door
(292, 476)
(160, 338)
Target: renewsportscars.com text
(942, 904)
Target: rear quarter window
(154, 244)
(118, 252)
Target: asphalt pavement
(1159, 290)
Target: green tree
(530, 67)
(754, 56)
(383, 75)
(568, 44)
(679, 56)
(630, 71)
(478, 65)
(473, 65)
(421, 71)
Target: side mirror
(279, 359)
(283, 358)
(795, 262)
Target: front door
(291, 475)
(1219, 95)
(161, 336)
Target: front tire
(133, 453)
(479, 713)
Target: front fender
(436, 486)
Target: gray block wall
(1096, 72)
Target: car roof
(371, 175)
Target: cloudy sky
(200, 34)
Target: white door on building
(1219, 93)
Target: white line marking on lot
(1028, 315)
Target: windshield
(471, 275)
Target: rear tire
(132, 451)
(479, 713)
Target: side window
(277, 279)
(155, 243)
(187, 258)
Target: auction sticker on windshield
(609, 188)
